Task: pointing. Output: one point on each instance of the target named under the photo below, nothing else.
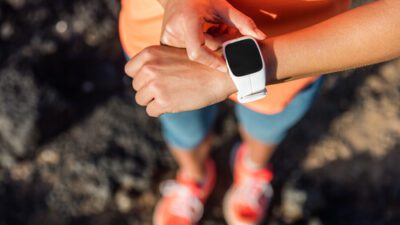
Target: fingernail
(261, 34)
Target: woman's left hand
(166, 81)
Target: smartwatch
(246, 68)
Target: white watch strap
(251, 87)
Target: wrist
(267, 51)
(231, 87)
(227, 81)
(226, 84)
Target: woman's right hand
(183, 28)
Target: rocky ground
(76, 149)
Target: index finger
(196, 48)
(133, 66)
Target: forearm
(362, 36)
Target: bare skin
(366, 35)
(183, 27)
(362, 36)
(259, 153)
(191, 161)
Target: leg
(188, 137)
(247, 200)
(262, 133)
(259, 152)
(191, 161)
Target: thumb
(239, 20)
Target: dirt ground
(76, 149)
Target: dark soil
(76, 149)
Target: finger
(136, 63)
(243, 23)
(142, 79)
(217, 35)
(153, 109)
(169, 39)
(196, 46)
(213, 43)
(144, 96)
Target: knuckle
(150, 70)
(149, 52)
(214, 46)
(127, 69)
(169, 29)
(156, 88)
(151, 112)
(137, 99)
(166, 39)
(147, 69)
(151, 73)
(134, 84)
(163, 100)
(194, 54)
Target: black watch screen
(243, 57)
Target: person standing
(181, 80)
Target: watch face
(243, 57)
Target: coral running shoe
(183, 199)
(246, 202)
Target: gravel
(76, 149)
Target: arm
(166, 81)
(184, 21)
(365, 35)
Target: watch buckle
(253, 96)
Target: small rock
(293, 204)
(21, 171)
(314, 221)
(61, 26)
(123, 202)
(6, 30)
(17, 4)
(48, 157)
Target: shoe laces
(186, 204)
(254, 192)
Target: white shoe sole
(231, 217)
